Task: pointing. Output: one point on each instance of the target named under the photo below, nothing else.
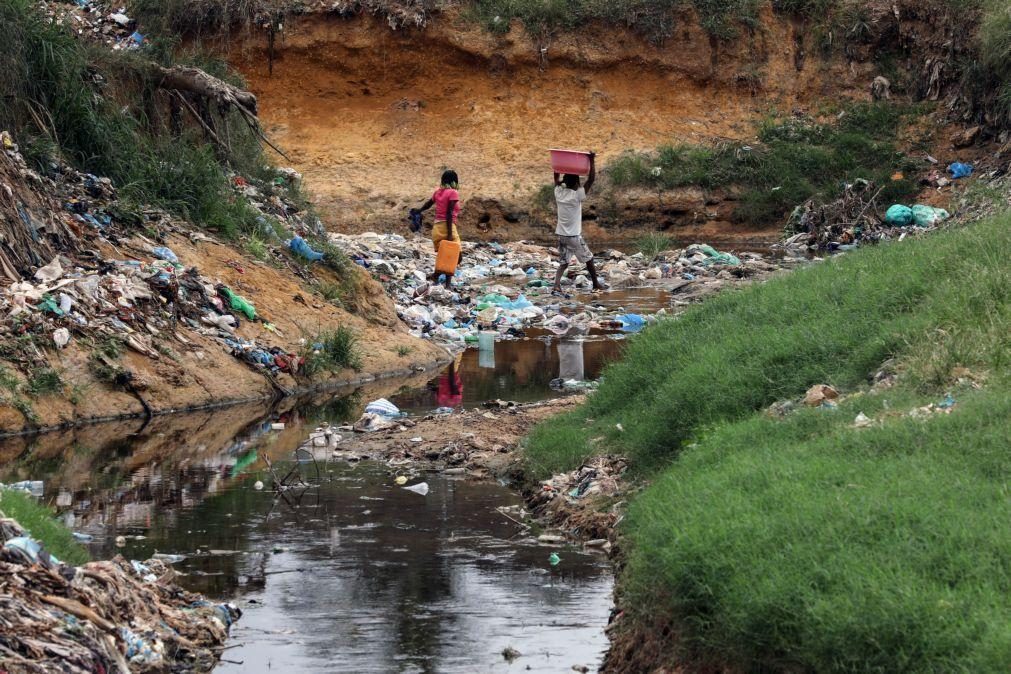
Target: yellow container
(448, 257)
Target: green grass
(40, 523)
(794, 161)
(804, 543)
(44, 381)
(808, 545)
(331, 351)
(651, 245)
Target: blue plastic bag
(959, 170)
(299, 246)
(165, 253)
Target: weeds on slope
(331, 351)
(812, 542)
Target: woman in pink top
(446, 200)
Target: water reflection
(519, 370)
(350, 573)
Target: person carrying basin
(569, 198)
(445, 231)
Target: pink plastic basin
(570, 161)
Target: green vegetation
(38, 521)
(805, 542)
(405, 350)
(331, 351)
(44, 381)
(103, 110)
(654, 243)
(796, 159)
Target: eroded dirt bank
(371, 116)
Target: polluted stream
(350, 572)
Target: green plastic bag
(928, 216)
(240, 304)
(898, 215)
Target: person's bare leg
(558, 278)
(592, 268)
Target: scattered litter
(420, 488)
(34, 487)
(959, 170)
(258, 485)
(819, 394)
(554, 559)
(401, 480)
(277, 426)
(862, 421)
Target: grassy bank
(38, 521)
(806, 542)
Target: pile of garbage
(137, 300)
(503, 290)
(105, 616)
(854, 218)
(97, 21)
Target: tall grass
(795, 160)
(651, 245)
(39, 522)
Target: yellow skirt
(440, 233)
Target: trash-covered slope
(110, 311)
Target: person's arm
(558, 179)
(428, 204)
(450, 213)
(593, 172)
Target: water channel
(353, 573)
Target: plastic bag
(240, 304)
(959, 170)
(165, 253)
(299, 246)
(927, 216)
(898, 215)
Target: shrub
(331, 351)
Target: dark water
(348, 574)
(518, 370)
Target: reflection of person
(569, 198)
(570, 357)
(450, 393)
(446, 200)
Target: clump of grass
(44, 381)
(257, 247)
(652, 244)
(405, 350)
(332, 292)
(40, 523)
(331, 351)
(88, 98)
(795, 161)
(544, 197)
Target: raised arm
(558, 179)
(593, 172)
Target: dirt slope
(371, 116)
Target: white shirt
(570, 210)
